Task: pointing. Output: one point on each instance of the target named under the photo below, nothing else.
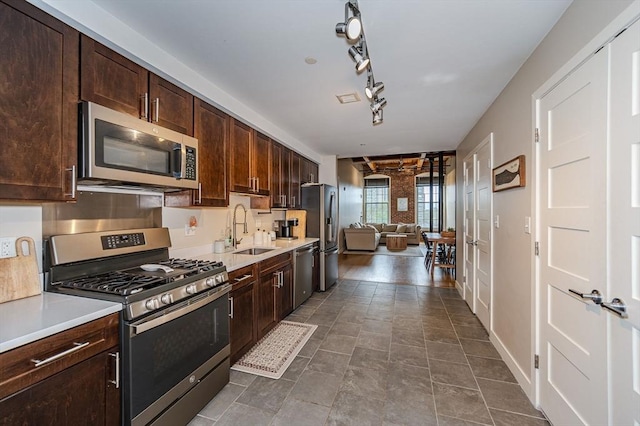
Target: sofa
(367, 236)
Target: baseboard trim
(521, 377)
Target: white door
(483, 226)
(572, 217)
(469, 264)
(624, 235)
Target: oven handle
(189, 306)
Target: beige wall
(511, 119)
(350, 184)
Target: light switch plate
(527, 225)
(496, 222)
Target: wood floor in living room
(392, 269)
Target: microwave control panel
(110, 242)
(190, 167)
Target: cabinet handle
(281, 279)
(116, 380)
(145, 106)
(199, 193)
(77, 347)
(231, 307)
(257, 184)
(293, 201)
(72, 169)
(157, 109)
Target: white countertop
(26, 320)
(235, 261)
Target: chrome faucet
(235, 210)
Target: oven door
(169, 352)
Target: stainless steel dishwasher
(303, 273)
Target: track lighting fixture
(377, 117)
(361, 60)
(372, 88)
(378, 104)
(352, 29)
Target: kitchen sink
(253, 251)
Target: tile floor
(383, 354)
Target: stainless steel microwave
(117, 148)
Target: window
(428, 202)
(376, 199)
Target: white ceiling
(442, 62)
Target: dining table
(436, 238)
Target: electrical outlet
(7, 247)
(189, 231)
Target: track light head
(378, 104)
(351, 29)
(372, 89)
(361, 61)
(377, 117)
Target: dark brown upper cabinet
(308, 171)
(111, 80)
(212, 131)
(248, 160)
(294, 182)
(38, 104)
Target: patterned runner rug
(273, 354)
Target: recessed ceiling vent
(348, 98)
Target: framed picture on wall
(511, 174)
(403, 204)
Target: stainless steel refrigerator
(321, 203)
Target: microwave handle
(179, 159)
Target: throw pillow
(389, 228)
(357, 225)
(401, 229)
(372, 227)
(411, 228)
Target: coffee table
(396, 242)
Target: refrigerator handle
(330, 218)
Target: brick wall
(402, 186)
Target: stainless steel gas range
(174, 330)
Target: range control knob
(151, 304)
(166, 298)
(191, 289)
(219, 279)
(210, 282)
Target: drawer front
(243, 277)
(274, 263)
(29, 364)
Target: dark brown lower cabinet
(284, 293)
(76, 395)
(243, 302)
(70, 386)
(274, 292)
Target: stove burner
(135, 280)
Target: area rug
(410, 251)
(273, 354)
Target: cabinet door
(170, 106)
(313, 171)
(294, 186)
(261, 160)
(212, 132)
(239, 158)
(243, 332)
(81, 394)
(276, 175)
(266, 312)
(38, 104)
(286, 176)
(285, 293)
(111, 80)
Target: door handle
(231, 306)
(617, 306)
(595, 295)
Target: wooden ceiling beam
(370, 163)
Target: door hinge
(536, 361)
(537, 248)
(537, 135)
